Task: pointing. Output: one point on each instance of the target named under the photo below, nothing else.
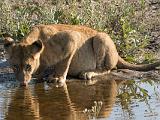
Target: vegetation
(123, 20)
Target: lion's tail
(122, 64)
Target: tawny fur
(70, 50)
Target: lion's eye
(28, 67)
(15, 67)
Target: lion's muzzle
(23, 78)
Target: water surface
(101, 99)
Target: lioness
(65, 50)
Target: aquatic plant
(94, 111)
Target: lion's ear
(8, 43)
(37, 47)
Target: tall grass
(118, 18)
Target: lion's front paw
(86, 75)
(57, 81)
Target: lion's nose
(24, 83)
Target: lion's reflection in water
(77, 100)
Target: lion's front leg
(66, 46)
(60, 71)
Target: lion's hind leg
(91, 74)
(105, 54)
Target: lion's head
(24, 59)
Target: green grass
(118, 18)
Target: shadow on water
(77, 100)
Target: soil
(152, 15)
